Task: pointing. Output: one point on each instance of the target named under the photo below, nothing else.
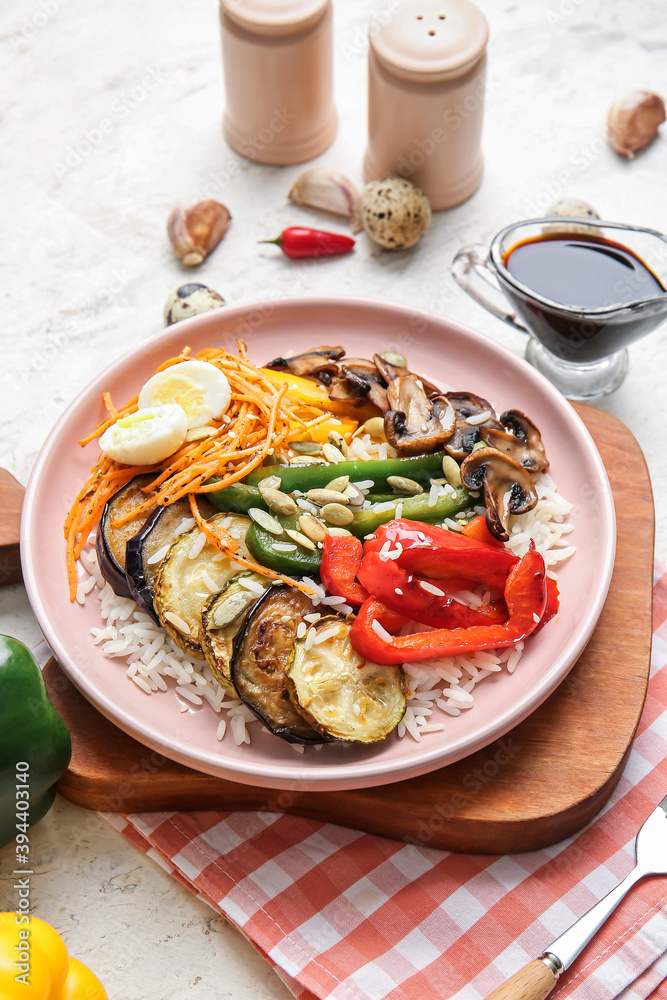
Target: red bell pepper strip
(552, 604)
(297, 242)
(476, 528)
(488, 565)
(525, 595)
(416, 534)
(388, 583)
(341, 558)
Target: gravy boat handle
(472, 272)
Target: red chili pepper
(297, 241)
(341, 558)
(415, 598)
(525, 595)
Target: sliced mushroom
(308, 362)
(466, 434)
(356, 380)
(521, 426)
(414, 423)
(389, 372)
(508, 487)
(519, 438)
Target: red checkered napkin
(351, 916)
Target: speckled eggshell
(394, 213)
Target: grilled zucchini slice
(261, 652)
(183, 585)
(221, 618)
(342, 695)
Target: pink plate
(443, 350)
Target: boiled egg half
(198, 387)
(146, 437)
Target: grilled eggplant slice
(186, 578)
(261, 652)
(112, 539)
(342, 695)
(221, 618)
(154, 538)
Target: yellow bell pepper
(315, 394)
(34, 964)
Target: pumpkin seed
(312, 527)
(354, 494)
(332, 453)
(265, 521)
(271, 482)
(374, 427)
(322, 497)
(337, 440)
(306, 447)
(300, 539)
(228, 611)
(452, 472)
(395, 358)
(338, 484)
(338, 532)
(278, 501)
(335, 513)
(404, 485)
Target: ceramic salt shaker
(278, 66)
(426, 83)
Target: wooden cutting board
(538, 784)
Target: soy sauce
(588, 273)
(582, 272)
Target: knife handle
(534, 982)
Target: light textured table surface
(86, 269)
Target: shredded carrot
(215, 534)
(262, 417)
(108, 405)
(224, 542)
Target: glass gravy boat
(581, 350)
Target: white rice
(439, 689)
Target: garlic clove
(329, 191)
(194, 232)
(633, 121)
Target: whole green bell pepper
(35, 746)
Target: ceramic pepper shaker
(278, 66)
(426, 82)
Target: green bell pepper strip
(413, 508)
(304, 562)
(421, 468)
(261, 546)
(33, 734)
(236, 499)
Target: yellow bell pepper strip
(34, 964)
(35, 746)
(315, 394)
(525, 596)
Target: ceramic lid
(274, 17)
(430, 37)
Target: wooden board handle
(11, 498)
(534, 982)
